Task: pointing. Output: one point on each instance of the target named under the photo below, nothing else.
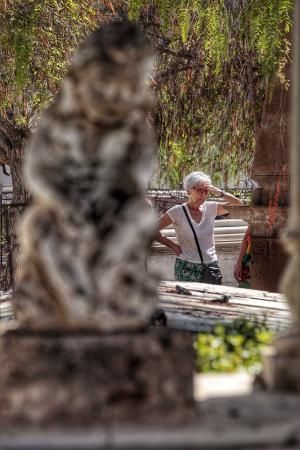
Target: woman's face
(199, 192)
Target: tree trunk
(12, 142)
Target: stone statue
(84, 240)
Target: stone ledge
(259, 421)
(95, 379)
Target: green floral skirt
(187, 271)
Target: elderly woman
(196, 258)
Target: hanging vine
(37, 39)
(216, 61)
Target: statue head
(109, 71)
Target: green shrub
(232, 347)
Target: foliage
(269, 25)
(232, 347)
(216, 61)
(37, 39)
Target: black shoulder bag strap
(194, 233)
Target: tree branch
(179, 54)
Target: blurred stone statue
(85, 238)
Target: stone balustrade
(228, 235)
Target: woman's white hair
(194, 178)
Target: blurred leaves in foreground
(232, 347)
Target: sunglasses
(202, 191)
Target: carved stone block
(282, 364)
(88, 379)
(267, 253)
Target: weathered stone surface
(281, 367)
(270, 170)
(267, 263)
(80, 379)
(265, 221)
(270, 167)
(276, 188)
(269, 256)
(85, 239)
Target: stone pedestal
(268, 263)
(92, 379)
(270, 170)
(281, 371)
(269, 257)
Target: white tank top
(204, 231)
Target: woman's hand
(214, 190)
(228, 199)
(176, 249)
(237, 272)
(164, 240)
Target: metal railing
(163, 199)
